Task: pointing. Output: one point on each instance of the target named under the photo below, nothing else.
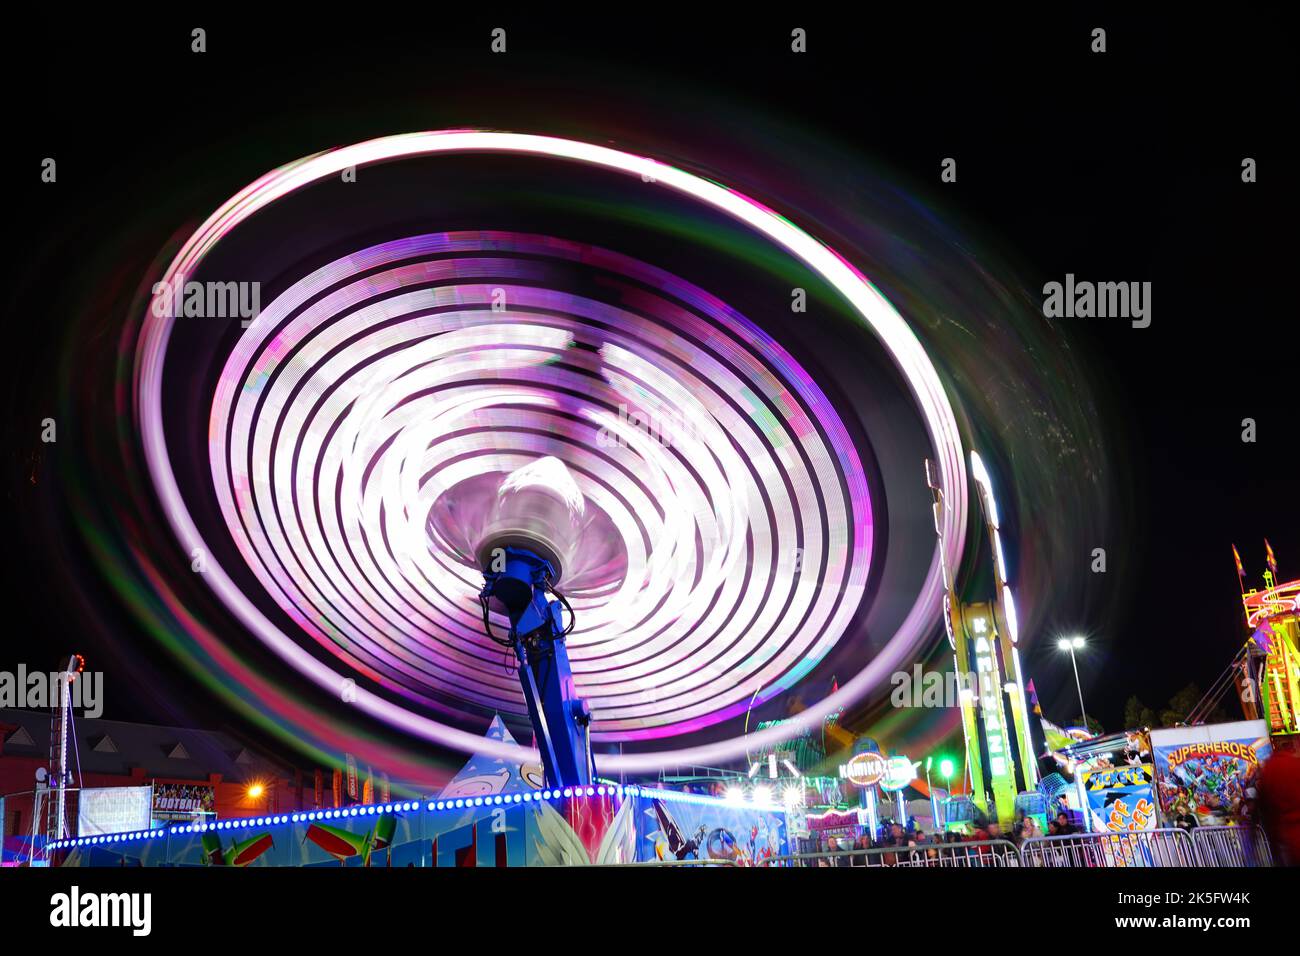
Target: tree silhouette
(1182, 704)
(1138, 714)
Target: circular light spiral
(362, 424)
(434, 657)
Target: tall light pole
(1072, 644)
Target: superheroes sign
(1120, 799)
(1208, 772)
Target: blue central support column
(561, 718)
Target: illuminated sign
(868, 769)
(899, 774)
(865, 769)
(1111, 777)
(990, 704)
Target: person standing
(1278, 805)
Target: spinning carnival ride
(473, 471)
(1001, 761)
(1272, 662)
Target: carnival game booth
(1176, 796)
(490, 814)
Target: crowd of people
(898, 843)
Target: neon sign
(865, 769)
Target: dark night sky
(1124, 166)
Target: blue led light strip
(410, 806)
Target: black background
(595, 901)
(1124, 165)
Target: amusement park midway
(523, 479)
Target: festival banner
(109, 810)
(354, 789)
(1208, 771)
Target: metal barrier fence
(707, 863)
(1136, 848)
(1231, 846)
(1204, 847)
(972, 855)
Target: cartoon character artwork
(1209, 771)
(708, 832)
(1212, 787)
(721, 844)
(476, 785)
(532, 774)
(1121, 803)
(671, 843)
(1124, 812)
(484, 775)
(240, 853)
(343, 844)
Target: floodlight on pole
(1071, 644)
